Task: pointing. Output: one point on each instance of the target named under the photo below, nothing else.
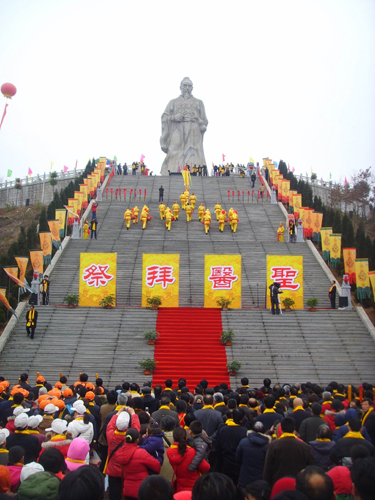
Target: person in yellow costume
(168, 219)
(201, 210)
(127, 218)
(176, 210)
(280, 233)
(207, 222)
(86, 230)
(135, 211)
(217, 209)
(187, 194)
(144, 217)
(162, 210)
(183, 200)
(230, 216)
(222, 219)
(193, 200)
(189, 211)
(235, 220)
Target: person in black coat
(31, 321)
(299, 413)
(29, 442)
(251, 455)
(275, 291)
(332, 294)
(269, 415)
(341, 451)
(253, 178)
(149, 402)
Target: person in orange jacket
(127, 218)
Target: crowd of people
(273, 442)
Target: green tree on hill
(360, 241)
(53, 180)
(336, 227)
(43, 224)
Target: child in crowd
(152, 442)
(200, 442)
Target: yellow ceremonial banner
(317, 221)
(78, 195)
(326, 243)
(297, 202)
(307, 221)
(335, 246)
(46, 246)
(371, 276)
(291, 194)
(97, 278)
(36, 258)
(83, 189)
(349, 255)
(285, 186)
(276, 173)
(3, 292)
(90, 183)
(302, 215)
(161, 278)
(54, 228)
(288, 271)
(280, 179)
(22, 266)
(361, 271)
(13, 271)
(222, 278)
(86, 182)
(73, 203)
(60, 215)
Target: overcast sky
(291, 80)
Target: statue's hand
(202, 128)
(178, 117)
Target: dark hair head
(358, 451)
(168, 423)
(137, 403)
(244, 381)
(85, 483)
(355, 424)
(315, 483)
(323, 432)
(189, 418)
(214, 486)
(185, 396)
(63, 379)
(316, 408)
(337, 405)
(158, 390)
(99, 382)
(238, 415)
(112, 397)
(269, 401)
(181, 383)
(260, 490)
(154, 428)
(83, 377)
(24, 377)
(196, 427)
(125, 386)
(204, 383)
(165, 401)
(362, 473)
(155, 487)
(168, 383)
(179, 435)
(144, 417)
(181, 406)
(52, 460)
(131, 435)
(18, 398)
(231, 404)
(244, 399)
(208, 399)
(16, 453)
(288, 424)
(134, 387)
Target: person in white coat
(81, 425)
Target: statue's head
(186, 86)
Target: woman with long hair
(180, 456)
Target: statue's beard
(186, 93)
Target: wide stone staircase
(291, 348)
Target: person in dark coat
(149, 401)
(211, 419)
(228, 438)
(269, 415)
(299, 414)
(309, 426)
(253, 178)
(340, 454)
(165, 410)
(251, 455)
(322, 447)
(161, 194)
(31, 321)
(332, 294)
(275, 291)
(368, 418)
(29, 442)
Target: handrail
(72, 174)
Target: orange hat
(99, 389)
(5, 384)
(67, 393)
(90, 395)
(40, 379)
(58, 385)
(90, 386)
(47, 401)
(2, 388)
(55, 392)
(59, 403)
(18, 389)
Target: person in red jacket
(180, 456)
(136, 463)
(116, 431)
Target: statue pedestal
(300, 233)
(75, 233)
(273, 198)
(35, 287)
(346, 291)
(99, 194)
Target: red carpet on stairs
(189, 346)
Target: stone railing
(41, 178)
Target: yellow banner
(54, 228)
(13, 271)
(97, 278)
(3, 292)
(291, 194)
(308, 220)
(324, 235)
(317, 221)
(288, 271)
(302, 215)
(60, 215)
(36, 258)
(78, 195)
(361, 271)
(161, 278)
(90, 183)
(222, 278)
(349, 254)
(371, 275)
(285, 186)
(83, 189)
(280, 179)
(273, 174)
(22, 266)
(335, 246)
(46, 245)
(297, 202)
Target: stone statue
(184, 123)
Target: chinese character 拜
(222, 277)
(159, 275)
(96, 275)
(285, 275)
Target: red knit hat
(285, 483)
(342, 483)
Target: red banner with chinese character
(288, 271)
(160, 278)
(222, 278)
(97, 278)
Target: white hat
(122, 421)
(58, 425)
(21, 421)
(20, 409)
(30, 469)
(4, 433)
(50, 409)
(79, 407)
(35, 420)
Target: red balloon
(8, 90)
